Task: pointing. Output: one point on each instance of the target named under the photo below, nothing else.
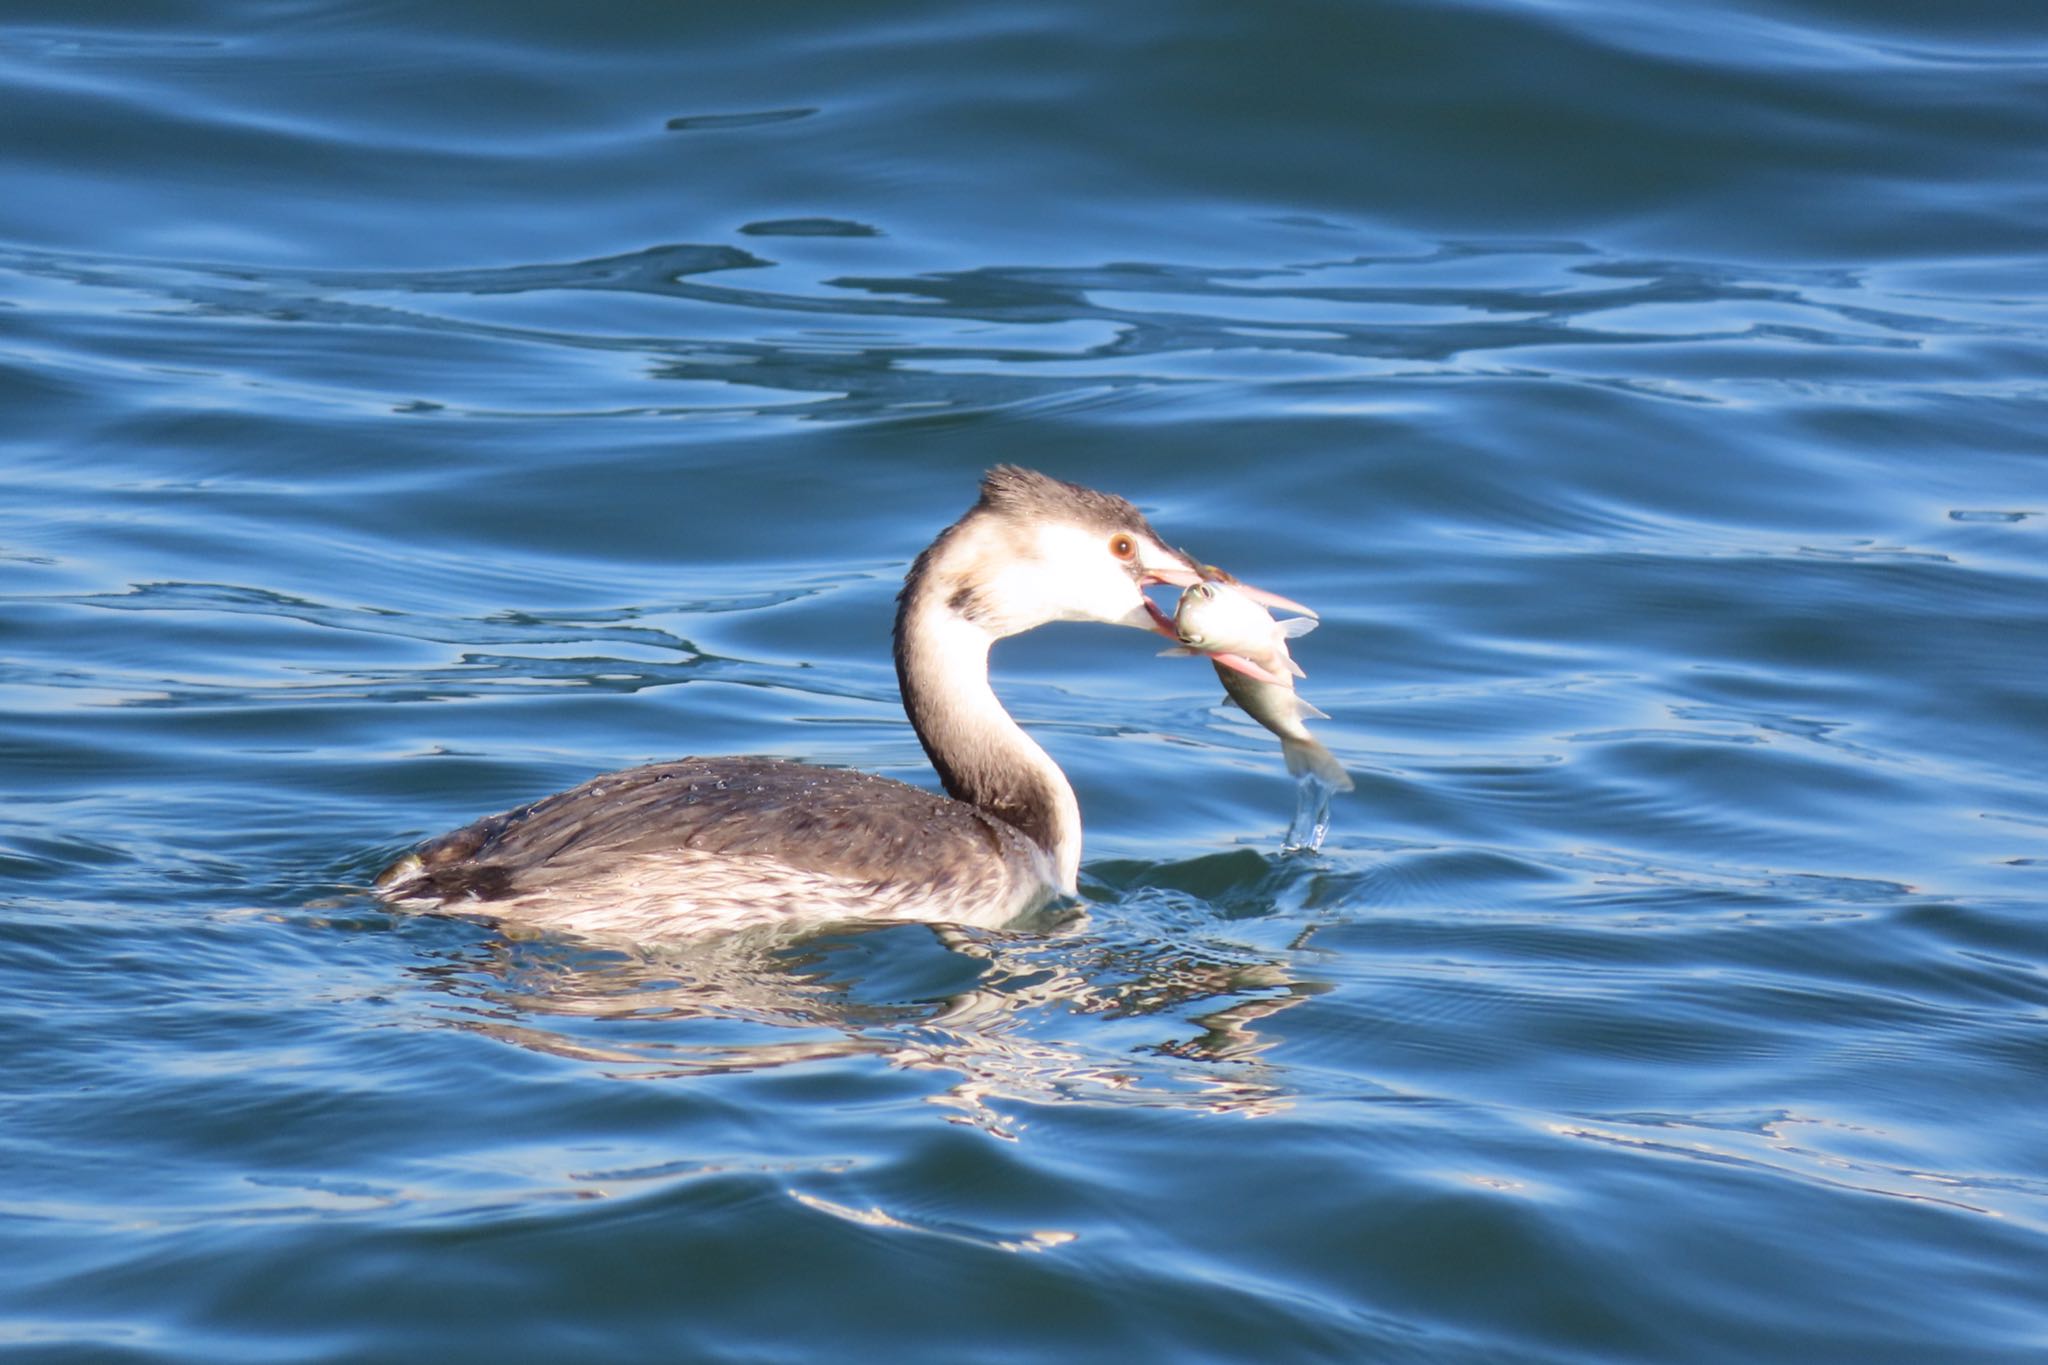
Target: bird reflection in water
(974, 1003)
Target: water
(410, 410)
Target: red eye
(1122, 546)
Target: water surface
(413, 410)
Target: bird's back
(703, 843)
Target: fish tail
(1305, 756)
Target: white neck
(981, 754)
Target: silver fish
(1249, 649)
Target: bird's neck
(981, 754)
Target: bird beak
(1178, 570)
(1156, 619)
(1176, 575)
(1174, 570)
(1274, 599)
(1186, 573)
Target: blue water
(407, 410)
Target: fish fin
(1250, 669)
(1294, 627)
(1296, 669)
(1306, 757)
(1178, 652)
(1309, 708)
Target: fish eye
(1122, 546)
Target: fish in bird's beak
(1240, 664)
(1185, 574)
(1222, 619)
(1212, 574)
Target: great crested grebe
(714, 843)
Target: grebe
(715, 843)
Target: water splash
(1311, 822)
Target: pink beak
(1177, 575)
(1161, 622)
(1274, 599)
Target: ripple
(809, 227)
(1320, 322)
(402, 422)
(690, 123)
(1990, 516)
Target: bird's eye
(1122, 546)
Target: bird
(693, 845)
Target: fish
(1249, 650)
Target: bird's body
(715, 843)
(701, 844)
